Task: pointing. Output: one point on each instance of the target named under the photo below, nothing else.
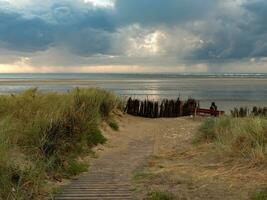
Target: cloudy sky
(133, 36)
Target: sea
(227, 90)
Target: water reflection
(227, 92)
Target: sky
(133, 36)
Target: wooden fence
(166, 108)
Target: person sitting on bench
(213, 108)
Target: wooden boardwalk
(110, 176)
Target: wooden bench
(204, 112)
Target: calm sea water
(227, 90)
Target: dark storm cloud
(84, 34)
(236, 38)
(85, 31)
(153, 12)
(258, 26)
(89, 42)
(19, 33)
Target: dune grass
(259, 195)
(43, 134)
(114, 125)
(243, 137)
(158, 195)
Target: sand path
(110, 175)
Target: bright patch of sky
(101, 3)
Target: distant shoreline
(130, 75)
(228, 92)
(75, 80)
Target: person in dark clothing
(213, 108)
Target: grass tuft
(260, 195)
(74, 168)
(95, 137)
(141, 175)
(114, 125)
(157, 195)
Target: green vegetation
(74, 168)
(43, 134)
(157, 195)
(141, 175)
(95, 137)
(260, 195)
(246, 137)
(114, 125)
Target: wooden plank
(93, 197)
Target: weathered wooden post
(145, 108)
(172, 105)
(128, 108)
(141, 112)
(161, 109)
(166, 108)
(150, 109)
(156, 109)
(136, 107)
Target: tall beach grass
(242, 137)
(43, 134)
